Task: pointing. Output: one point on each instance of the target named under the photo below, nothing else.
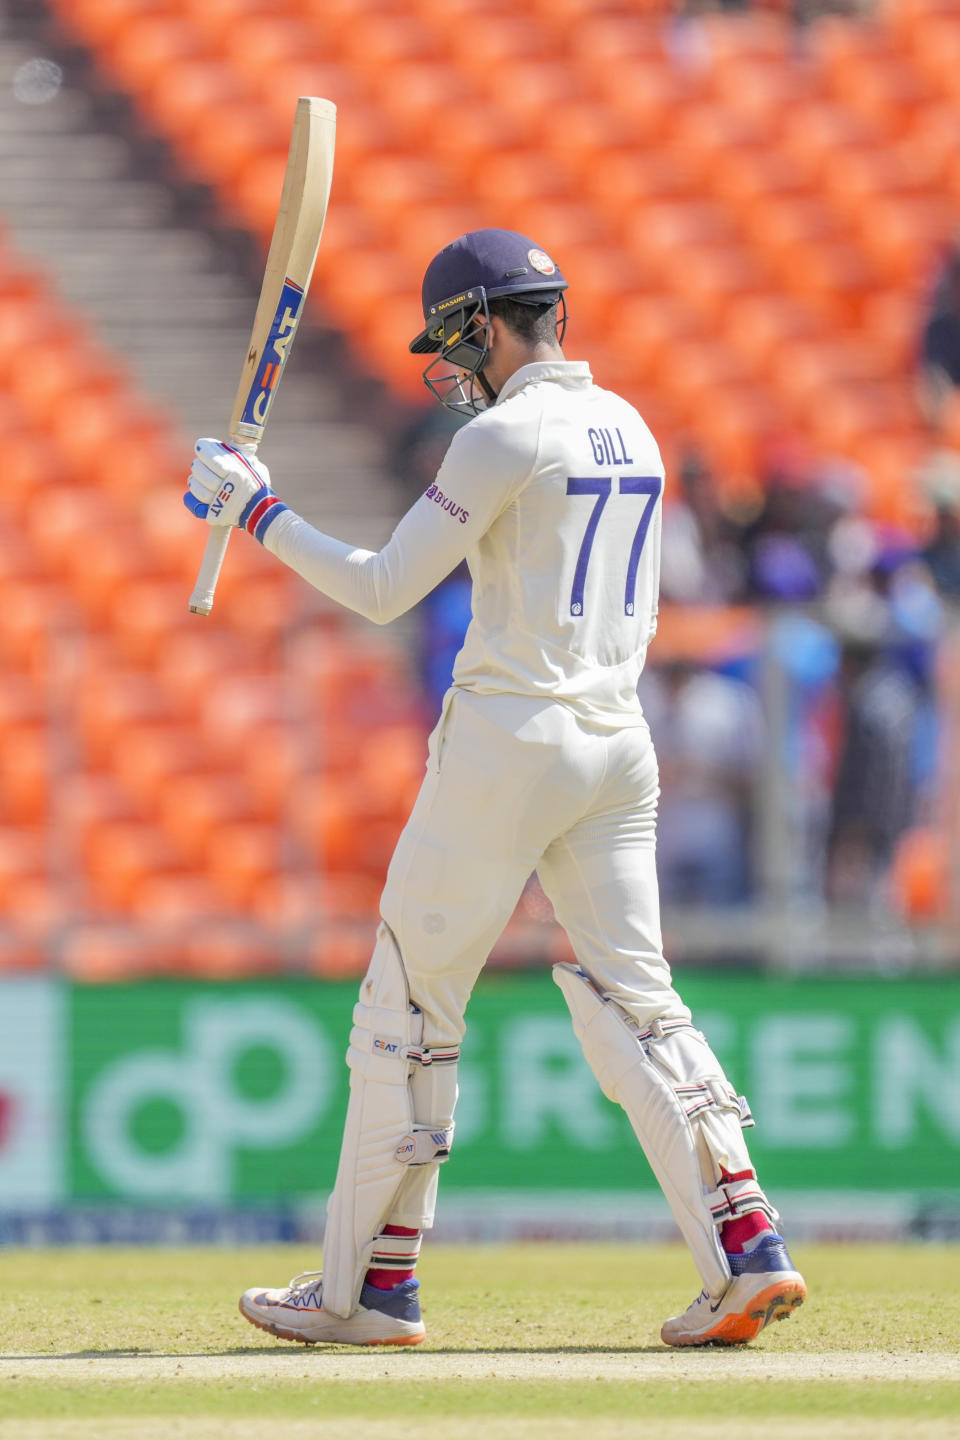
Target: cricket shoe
(765, 1287)
(383, 1317)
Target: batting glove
(228, 485)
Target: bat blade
(286, 279)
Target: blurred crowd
(856, 611)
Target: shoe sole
(777, 1302)
(282, 1334)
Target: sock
(394, 1257)
(736, 1234)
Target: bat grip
(201, 601)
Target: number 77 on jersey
(648, 486)
(290, 262)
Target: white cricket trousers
(516, 784)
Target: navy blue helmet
(481, 266)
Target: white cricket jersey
(553, 496)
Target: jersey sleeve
(486, 465)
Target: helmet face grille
(461, 337)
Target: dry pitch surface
(534, 1341)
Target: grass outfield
(522, 1341)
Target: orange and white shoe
(383, 1317)
(765, 1286)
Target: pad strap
(396, 1252)
(710, 1093)
(738, 1197)
(423, 1145)
(714, 1094)
(439, 1055)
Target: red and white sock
(394, 1257)
(739, 1235)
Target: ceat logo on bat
(282, 330)
(541, 261)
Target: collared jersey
(553, 496)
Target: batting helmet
(481, 266)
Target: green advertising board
(235, 1093)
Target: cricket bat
(290, 261)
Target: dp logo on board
(125, 1114)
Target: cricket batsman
(541, 760)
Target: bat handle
(201, 601)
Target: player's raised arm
(475, 483)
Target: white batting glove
(228, 485)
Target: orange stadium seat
(890, 325)
(394, 39)
(240, 856)
(221, 948)
(772, 222)
(176, 905)
(423, 233)
(146, 49)
(266, 38)
(704, 131)
(25, 774)
(507, 184)
(761, 325)
(192, 806)
(815, 134)
(628, 180)
(759, 85)
(294, 902)
(934, 45)
(203, 84)
(600, 287)
(741, 178)
(647, 327)
(144, 615)
(31, 614)
(152, 753)
(744, 36)
(101, 21)
(625, 33)
(118, 856)
(236, 134)
(645, 92)
(715, 280)
(904, 237)
(30, 464)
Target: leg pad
(399, 1124)
(686, 1115)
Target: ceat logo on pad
(541, 261)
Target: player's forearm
(362, 580)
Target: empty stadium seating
(155, 772)
(712, 161)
